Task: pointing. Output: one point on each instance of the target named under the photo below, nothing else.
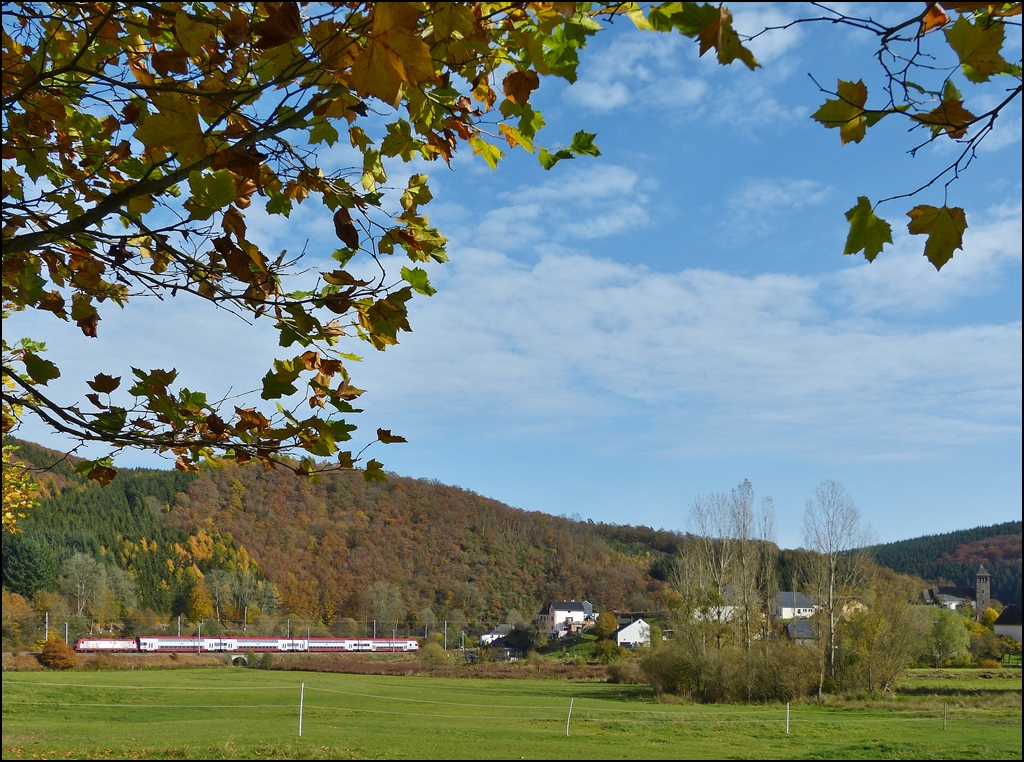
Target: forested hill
(954, 557)
(324, 545)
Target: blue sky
(616, 336)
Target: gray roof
(629, 624)
(1012, 615)
(567, 605)
(501, 629)
(794, 600)
(800, 629)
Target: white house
(1008, 623)
(786, 605)
(634, 634)
(564, 616)
(499, 632)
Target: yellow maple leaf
(395, 54)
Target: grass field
(227, 713)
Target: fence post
(787, 718)
(302, 696)
(571, 699)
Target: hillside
(430, 549)
(324, 545)
(954, 557)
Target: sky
(624, 333)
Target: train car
(363, 644)
(164, 644)
(106, 645)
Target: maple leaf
(518, 85)
(282, 25)
(950, 116)
(944, 227)
(385, 436)
(395, 55)
(846, 112)
(345, 228)
(978, 46)
(104, 383)
(720, 35)
(191, 34)
(868, 233)
(40, 370)
(934, 17)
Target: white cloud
(759, 200)
(752, 18)
(902, 280)
(695, 361)
(585, 202)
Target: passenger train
(154, 644)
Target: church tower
(982, 591)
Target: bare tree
(219, 581)
(722, 568)
(82, 579)
(768, 581)
(832, 528)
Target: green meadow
(244, 713)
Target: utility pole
(245, 624)
(375, 629)
(46, 626)
(199, 638)
(65, 633)
(179, 625)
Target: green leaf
(491, 153)
(548, 160)
(583, 144)
(97, 470)
(979, 47)
(375, 472)
(944, 227)
(112, 420)
(846, 112)
(323, 132)
(39, 370)
(400, 142)
(210, 192)
(868, 233)
(417, 278)
(274, 388)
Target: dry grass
(409, 666)
(29, 662)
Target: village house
(499, 632)
(801, 631)
(559, 618)
(1008, 622)
(788, 605)
(636, 633)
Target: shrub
(607, 651)
(626, 672)
(101, 663)
(989, 664)
(266, 660)
(58, 655)
(433, 654)
(783, 673)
